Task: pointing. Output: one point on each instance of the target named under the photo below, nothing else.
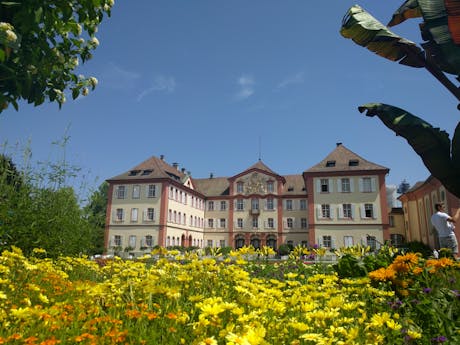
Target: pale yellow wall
(358, 235)
(356, 198)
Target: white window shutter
(274, 203)
(333, 242)
(352, 211)
(361, 184)
(112, 241)
(320, 241)
(339, 185)
(373, 184)
(114, 215)
(318, 186)
(144, 215)
(284, 222)
(352, 185)
(363, 211)
(331, 185)
(332, 211)
(374, 211)
(319, 214)
(340, 210)
(265, 204)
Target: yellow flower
(208, 341)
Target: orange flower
(52, 341)
(383, 274)
(152, 316)
(171, 316)
(440, 263)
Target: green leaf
(410, 9)
(430, 143)
(368, 32)
(435, 29)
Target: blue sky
(214, 84)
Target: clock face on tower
(255, 185)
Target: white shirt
(443, 227)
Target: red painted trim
(107, 217)
(384, 207)
(163, 214)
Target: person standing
(444, 225)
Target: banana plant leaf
(410, 9)
(368, 32)
(436, 30)
(431, 144)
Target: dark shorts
(449, 242)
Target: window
(368, 211)
(239, 187)
(209, 243)
(327, 241)
(289, 223)
(255, 204)
(392, 221)
(121, 192)
(151, 191)
(134, 214)
(330, 164)
(210, 223)
(223, 205)
(240, 205)
(371, 242)
(210, 205)
(347, 213)
(132, 241)
(303, 204)
(325, 211)
(255, 222)
(289, 205)
(270, 223)
(119, 215)
(345, 185)
(150, 214)
(367, 185)
(290, 189)
(136, 192)
(303, 223)
(353, 163)
(270, 187)
(171, 192)
(149, 241)
(270, 204)
(117, 241)
(324, 185)
(222, 223)
(239, 223)
(396, 239)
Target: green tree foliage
(40, 213)
(42, 43)
(95, 213)
(439, 54)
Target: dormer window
(239, 187)
(290, 189)
(353, 162)
(147, 172)
(330, 164)
(134, 172)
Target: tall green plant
(439, 55)
(43, 211)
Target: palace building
(341, 201)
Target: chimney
(211, 175)
(176, 165)
(182, 170)
(338, 144)
(162, 157)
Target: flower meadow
(170, 297)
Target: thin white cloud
(297, 78)
(161, 84)
(246, 87)
(119, 78)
